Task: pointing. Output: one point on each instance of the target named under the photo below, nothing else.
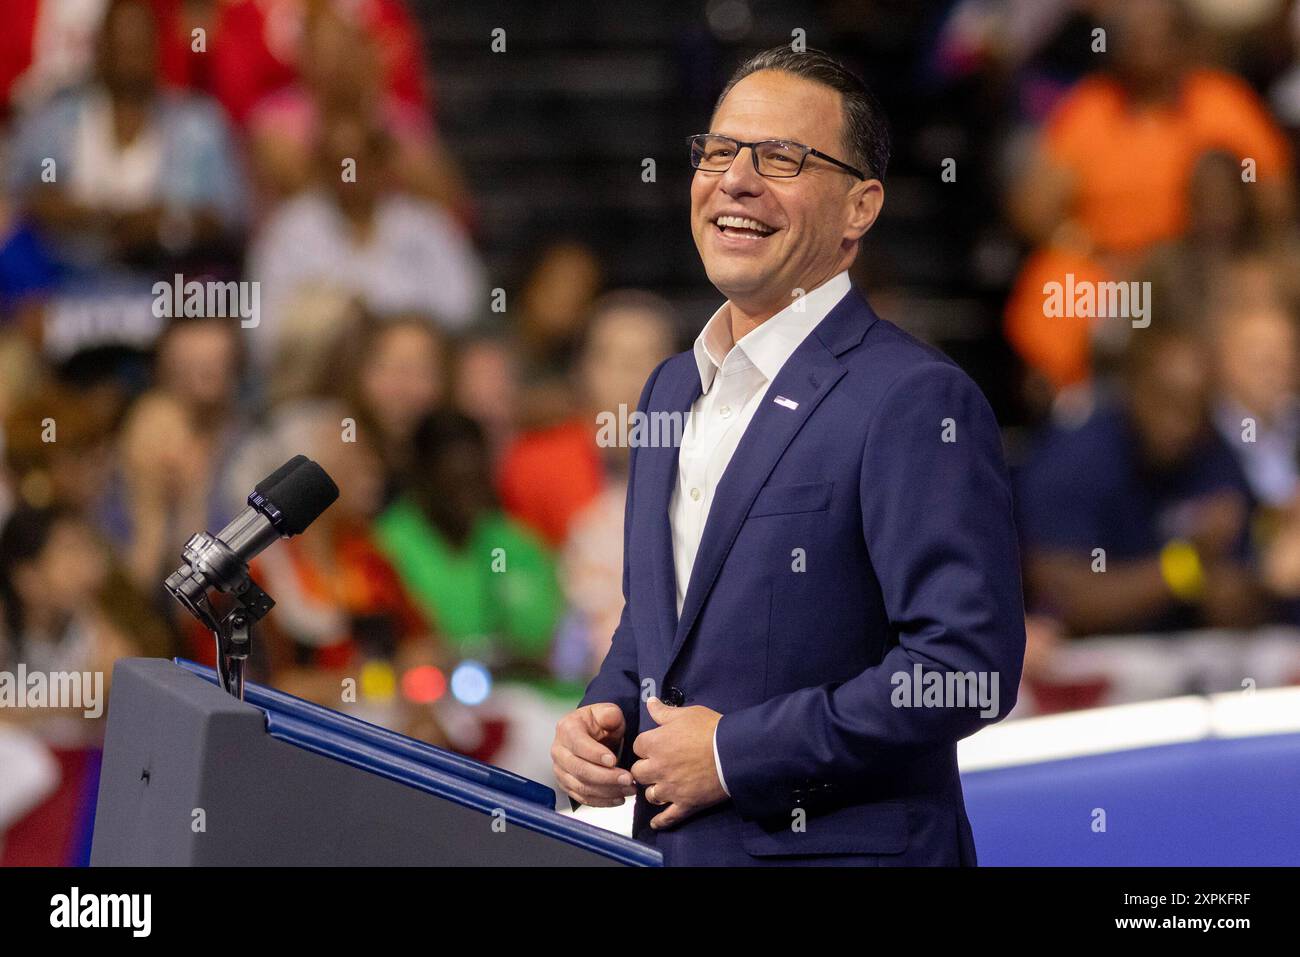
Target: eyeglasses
(779, 159)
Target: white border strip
(1234, 714)
(1078, 733)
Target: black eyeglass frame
(753, 155)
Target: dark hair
(440, 431)
(26, 533)
(443, 437)
(866, 134)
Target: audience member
(631, 332)
(559, 288)
(358, 234)
(1256, 410)
(59, 451)
(54, 570)
(122, 172)
(1137, 520)
(551, 474)
(393, 374)
(487, 584)
(338, 600)
(341, 72)
(485, 387)
(168, 490)
(1119, 149)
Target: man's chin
(737, 280)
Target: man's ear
(866, 199)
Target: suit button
(674, 696)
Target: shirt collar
(769, 346)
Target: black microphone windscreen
(282, 472)
(301, 494)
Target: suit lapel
(683, 390)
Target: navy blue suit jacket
(863, 534)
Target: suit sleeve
(937, 519)
(619, 678)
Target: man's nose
(741, 178)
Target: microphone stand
(234, 636)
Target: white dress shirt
(734, 377)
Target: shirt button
(725, 411)
(695, 495)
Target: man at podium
(821, 578)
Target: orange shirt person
(1131, 163)
(1112, 172)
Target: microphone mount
(207, 559)
(207, 562)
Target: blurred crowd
(465, 585)
(1154, 313)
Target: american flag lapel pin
(787, 403)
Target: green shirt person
(486, 583)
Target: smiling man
(821, 584)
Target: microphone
(281, 505)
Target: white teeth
(741, 222)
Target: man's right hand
(584, 758)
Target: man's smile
(737, 231)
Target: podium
(193, 776)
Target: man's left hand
(677, 766)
